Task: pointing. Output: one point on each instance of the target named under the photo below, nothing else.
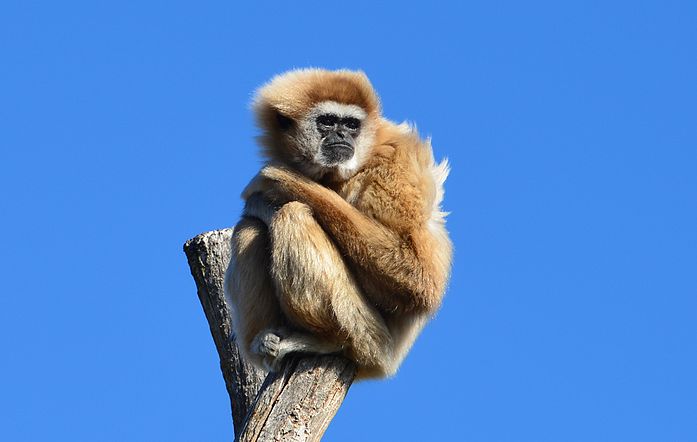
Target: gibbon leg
(248, 286)
(318, 294)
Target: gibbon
(342, 246)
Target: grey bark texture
(209, 255)
(295, 404)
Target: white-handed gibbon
(342, 246)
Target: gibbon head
(320, 122)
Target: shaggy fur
(354, 260)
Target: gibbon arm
(395, 266)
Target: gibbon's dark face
(331, 138)
(339, 135)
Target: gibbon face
(321, 122)
(332, 137)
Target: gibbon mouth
(336, 153)
(341, 146)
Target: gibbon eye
(284, 123)
(352, 123)
(327, 120)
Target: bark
(295, 404)
(208, 255)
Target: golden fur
(356, 264)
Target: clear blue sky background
(571, 128)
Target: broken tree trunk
(208, 255)
(295, 404)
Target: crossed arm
(394, 268)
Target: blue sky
(571, 129)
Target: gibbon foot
(274, 345)
(267, 344)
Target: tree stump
(295, 404)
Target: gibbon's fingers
(280, 173)
(257, 184)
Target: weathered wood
(295, 404)
(208, 255)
